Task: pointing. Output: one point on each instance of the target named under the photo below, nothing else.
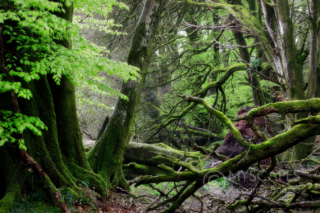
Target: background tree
(118, 132)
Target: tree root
(47, 183)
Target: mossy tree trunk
(257, 91)
(59, 151)
(107, 155)
(294, 72)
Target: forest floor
(212, 196)
(123, 202)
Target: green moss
(46, 146)
(92, 178)
(74, 194)
(134, 170)
(70, 139)
(13, 193)
(194, 154)
(9, 177)
(285, 107)
(205, 134)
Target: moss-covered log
(254, 153)
(139, 158)
(144, 154)
(133, 170)
(243, 161)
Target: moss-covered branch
(200, 133)
(228, 71)
(211, 151)
(311, 105)
(222, 117)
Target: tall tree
(107, 155)
(36, 55)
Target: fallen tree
(139, 158)
(144, 154)
(252, 153)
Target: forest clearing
(171, 106)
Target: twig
(158, 198)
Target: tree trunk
(60, 154)
(68, 128)
(143, 154)
(293, 73)
(103, 127)
(106, 156)
(257, 92)
(13, 188)
(312, 82)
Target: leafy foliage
(39, 34)
(12, 123)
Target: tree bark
(293, 72)
(24, 156)
(54, 154)
(103, 127)
(257, 92)
(106, 156)
(68, 128)
(312, 82)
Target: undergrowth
(36, 202)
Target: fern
(85, 183)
